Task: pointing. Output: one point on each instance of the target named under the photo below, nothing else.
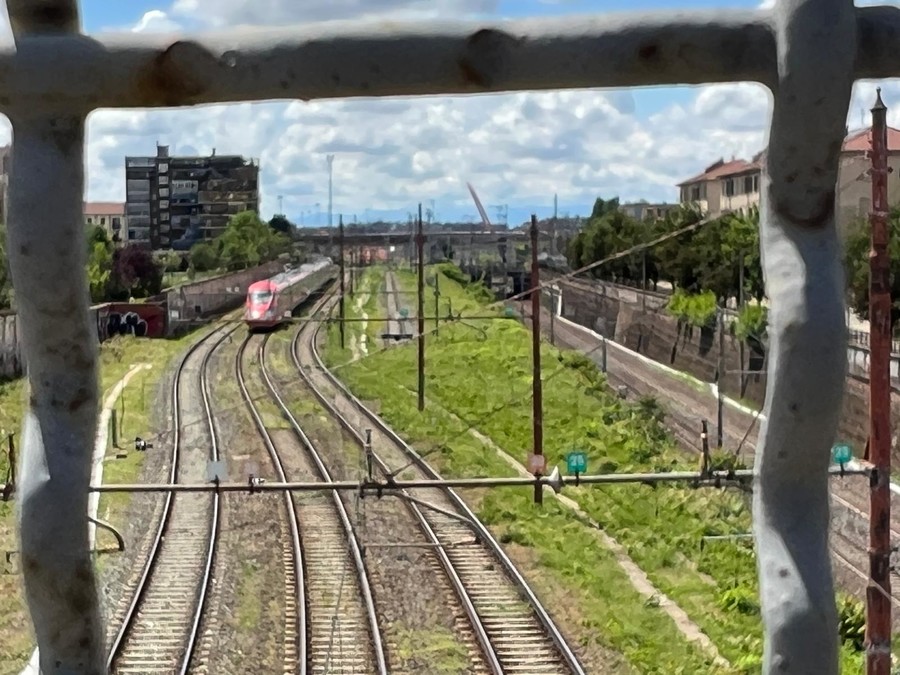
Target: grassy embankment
(116, 358)
(485, 378)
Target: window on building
(164, 168)
(729, 187)
(163, 180)
(756, 183)
(116, 223)
(103, 221)
(90, 221)
(695, 193)
(163, 192)
(749, 184)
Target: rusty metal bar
(537, 397)
(878, 593)
(555, 481)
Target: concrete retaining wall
(187, 305)
(649, 330)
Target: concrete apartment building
(110, 216)
(646, 211)
(173, 202)
(733, 186)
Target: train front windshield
(260, 297)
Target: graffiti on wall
(140, 320)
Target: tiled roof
(861, 141)
(721, 169)
(104, 209)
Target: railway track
(509, 626)
(160, 627)
(331, 611)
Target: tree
(248, 241)
(204, 257)
(99, 268)
(856, 261)
(280, 223)
(134, 274)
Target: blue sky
(517, 149)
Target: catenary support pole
(720, 379)
(537, 398)
(437, 301)
(878, 594)
(341, 259)
(420, 250)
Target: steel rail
(349, 532)
(478, 627)
(482, 532)
(302, 654)
(143, 584)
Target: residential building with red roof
(734, 186)
(110, 216)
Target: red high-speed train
(271, 301)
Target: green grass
(116, 357)
(438, 651)
(488, 384)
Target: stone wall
(648, 329)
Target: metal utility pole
(720, 378)
(537, 398)
(437, 301)
(330, 160)
(552, 317)
(341, 258)
(420, 247)
(743, 367)
(878, 593)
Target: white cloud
(156, 21)
(516, 149)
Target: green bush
(751, 323)
(697, 309)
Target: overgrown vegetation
(856, 261)
(697, 309)
(752, 323)
(484, 380)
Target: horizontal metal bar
(364, 58)
(387, 487)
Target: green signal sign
(841, 453)
(576, 462)
(510, 313)
(404, 313)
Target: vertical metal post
(341, 258)
(720, 378)
(115, 428)
(743, 367)
(644, 282)
(369, 456)
(11, 482)
(437, 301)
(552, 317)
(878, 593)
(420, 248)
(603, 353)
(352, 270)
(537, 393)
(704, 444)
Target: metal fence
(807, 52)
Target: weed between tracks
(487, 381)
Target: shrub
(697, 309)
(751, 323)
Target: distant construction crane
(486, 223)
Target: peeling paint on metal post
(805, 51)
(805, 283)
(46, 258)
